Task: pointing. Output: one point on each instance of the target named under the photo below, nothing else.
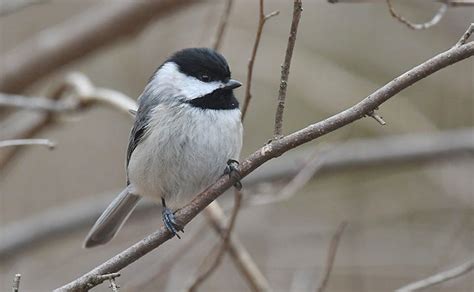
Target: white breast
(185, 149)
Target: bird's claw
(232, 170)
(169, 220)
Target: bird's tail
(112, 219)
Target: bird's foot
(232, 170)
(170, 220)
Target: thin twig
(16, 283)
(285, 69)
(261, 23)
(373, 114)
(99, 279)
(24, 142)
(274, 149)
(221, 249)
(331, 256)
(417, 26)
(440, 277)
(216, 44)
(113, 285)
(465, 36)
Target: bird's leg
(170, 220)
(232, 170)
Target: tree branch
(272, 150)
(434, 21)
(440, 277)
(465, 36)
(285, 69)
(78, 37)
(261, 23)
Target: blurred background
(406, 220)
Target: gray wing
(146, 104)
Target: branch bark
(78, 37)
(272, 150)
(285, 69)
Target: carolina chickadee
(187, 130)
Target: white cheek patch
(188, 87)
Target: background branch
(272, 150)
(24, 142)
(55, 47)
(222, 25)
(440, 277)
(331, 256)
(435, 20)
(35, 103)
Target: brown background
(405, 222)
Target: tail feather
(112, 219)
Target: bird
(187, 133)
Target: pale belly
(186, 152)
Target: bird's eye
(205, 78)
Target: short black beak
(232, 84)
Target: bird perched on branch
(187, 133)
